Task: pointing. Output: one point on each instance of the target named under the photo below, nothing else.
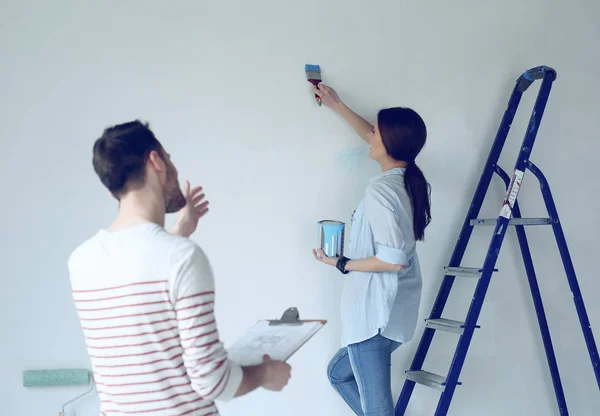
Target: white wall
(223, 85)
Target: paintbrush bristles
(313, 72)
(313, 75)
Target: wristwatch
(341, 264)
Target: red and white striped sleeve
(212, 374)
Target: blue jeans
(361, 375)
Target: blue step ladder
(510, 215)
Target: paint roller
(61, 377)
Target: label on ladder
(511, 194)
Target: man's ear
(156, 161)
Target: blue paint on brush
(313, 68)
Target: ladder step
(512, 221)
(427, 379)
(474, 272)
(447, 325)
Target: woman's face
(377, 151)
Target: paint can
(331, 237)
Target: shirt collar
(394, 171)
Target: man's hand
(271, 375)
(194, 209)
(276, 374)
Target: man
(145, 297)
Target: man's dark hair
(120, 156)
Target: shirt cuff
(391, 255)
(233, 384)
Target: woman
(382, 291)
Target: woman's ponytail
(419, 192)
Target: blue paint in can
(331, 237)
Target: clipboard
(278, 338)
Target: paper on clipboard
(280, 342)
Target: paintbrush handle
(316, 82)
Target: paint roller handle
(539, 72)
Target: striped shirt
(145, 299)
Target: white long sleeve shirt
(145, 299)
(384, 302)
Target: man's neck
(139, 207)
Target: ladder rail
(569, 269)
(538, 304)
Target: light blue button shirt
(384, 302)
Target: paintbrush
(313, 74)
